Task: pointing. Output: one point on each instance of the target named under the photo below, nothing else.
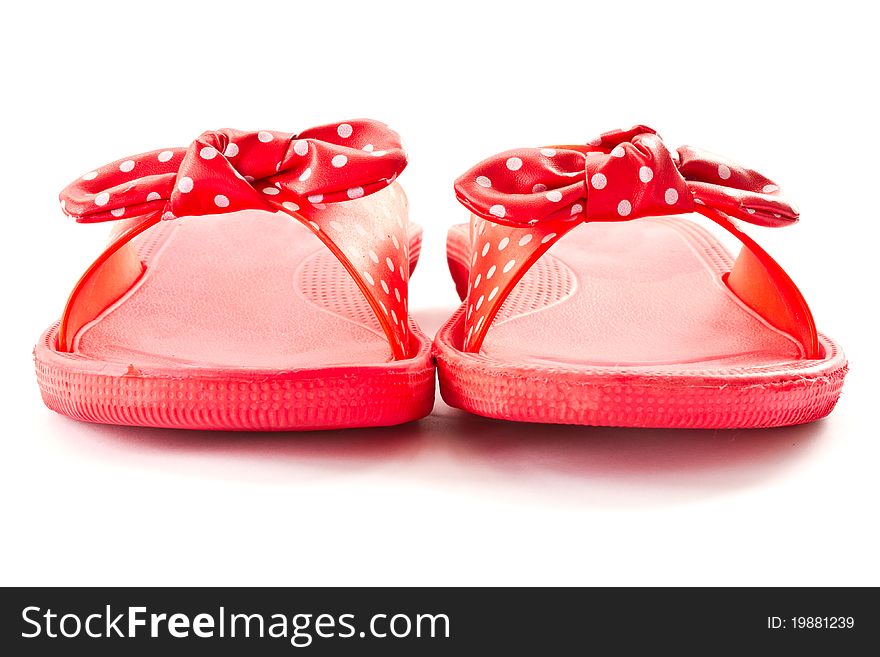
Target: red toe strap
(526, 199)
(310, 176)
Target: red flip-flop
(255, 281)
(637, 318)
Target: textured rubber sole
(333, 398)
(253, 398)
(644, 396)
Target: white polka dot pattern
(504, 252)
(244, 167)
(523, 186)
(316, 176)
(524, 200)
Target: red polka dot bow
(228, 170)
(621, 175)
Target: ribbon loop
(734, 190)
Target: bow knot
(637, 158)
(229, 170)
(622, 175)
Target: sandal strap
(525, 200)
(315, 176)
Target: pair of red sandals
(212, 309)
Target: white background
(453, 499)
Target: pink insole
(240, 291)
(647, 292)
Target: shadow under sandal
(253, 281)
(639, 317)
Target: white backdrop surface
(454, 499)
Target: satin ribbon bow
(229, 170)
(619, 176)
